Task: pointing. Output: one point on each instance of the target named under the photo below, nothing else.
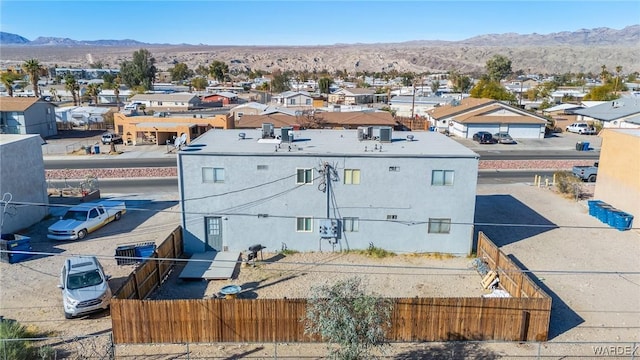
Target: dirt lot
(590, 270)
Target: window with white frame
(442, 177)
(212, 175)
(304, 176)
(352, 176)
(304, 224)
(439, 226)
(350, 224)
(308, 101)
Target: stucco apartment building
(619, 171)
(160, 127)
(27, 115)
(312, 190)
(22, 176)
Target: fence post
(134, 277)
(113, 346)
(188, 352)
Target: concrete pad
(211, 265)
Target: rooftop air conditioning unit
(385, 134)
(286, 134)
(367, 132)
(267, 131)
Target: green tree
(498, 67)
(407, 79)
(180, 72)
(218, 70)
(107, 79)
(71, 85)
(344, 315)
(435, 85)
(8, 79)
(280, 82)
(139, 72)
(33, 68)
(601, 93)
(461, 83)
(199, 83)
(324, 84)
(202, 70)
(487, 89)
(93, 90)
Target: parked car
(82, 219)
(109, 138)
(85, 287)
(587, 173)
(484, 137)
(504, 138)
(581, 128)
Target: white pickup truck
(82, 219)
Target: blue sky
(305, 22)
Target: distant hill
(12, 39)
(630, 35)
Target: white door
(526, 131)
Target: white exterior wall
(406, 193)
(23, 177)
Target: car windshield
(84, 279)
(75, 215)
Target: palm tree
(72, 86)
(93, 90)
(618, 70)
(116, 90)
(7, 79)
(603, 74)
(54, 94)
(33, 68)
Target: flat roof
(10, 138)
(327, 142)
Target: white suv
(85, 287)
(109, 138)
(581, 128)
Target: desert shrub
(344, 315)
(14, 343)
(568, 184)
(373, 251)
(288, 251)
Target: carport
(158, 133)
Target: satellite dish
(181, 140)
(410, 137)
(242, 135)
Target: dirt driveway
(591, 270)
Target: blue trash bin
(585, 146)
(593, 206)
(623, 221)
(612, 215)
(15, 242)
(603, 211)
(96, 149)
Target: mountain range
(584, 50)
(629, 35)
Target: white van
(108, 138)
(85, 287)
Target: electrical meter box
(329, 228)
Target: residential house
(22, 178)
(27, 115)
(620, 113)
(164, 128)
(167, 102)
(224, 97)
(250, 108)
(562, 114)
(410, 106)
(619, 170)
(318, 190)
(353, 96)
(293, 99)
(467, 117)
(80, 115)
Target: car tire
(82, 234)
(117, 216)
(592, 178)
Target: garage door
(526, 131)
(472, 129)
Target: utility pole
(413, 99)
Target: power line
(226, 212)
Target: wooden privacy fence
(150, 274)
(524, 318)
